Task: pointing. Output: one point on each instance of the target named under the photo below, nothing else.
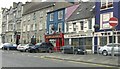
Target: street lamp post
(113, 42)
(96, 27)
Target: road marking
(42, 56)
(28, 55)
(92, 64)
(13, 53)
(82, 62)
(35, 56)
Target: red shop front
(56, 39)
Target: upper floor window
(51, 28)
(60, 14)
(51, 16)
(89, 24)
(34, 16)
(74, 26)
(41, 13)
(81, 25)
(106, 4)
(59, 27)
(28, 17)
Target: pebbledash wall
(104, 11)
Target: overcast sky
(8, 3)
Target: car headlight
(79, 50)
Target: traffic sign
(113, 21)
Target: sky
(8, 3)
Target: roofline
(79, 19)
(63, 8)
(38, 9)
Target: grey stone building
(34, 19)
(4, 24)
(1, 9)
(11, 23)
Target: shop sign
(74, 35)
(53, 36)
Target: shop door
(53, 41)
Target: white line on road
(35, 56)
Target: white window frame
(81, 25)
(59, 27)
(106, 4)
(74, 27)
(60, 14)
(50, 30)
(106, 18)
(51, 16)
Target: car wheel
(50, 50)
(21, 51)
(26, 50)
(75, 52)
(105, 53)
(63, 51)
(36, 51)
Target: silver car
(107, 49)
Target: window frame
(60, 14)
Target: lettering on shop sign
(78, 35)
(56, 36)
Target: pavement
(88, 58)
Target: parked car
(107, 49)
(42, 47)
(73, 50)
(9, 46)
(24, 47)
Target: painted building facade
(105, 9)
(55, 28)
(79, 26)
(34, 20)
(56, 25)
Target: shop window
(88, 43)
(66, 42)
(75, 41)
(103, 40)
(111, 39)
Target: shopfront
(56, 39)
(79, 40)
(108, 37)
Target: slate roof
(84, 11)
(37, 6)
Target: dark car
(43, 47)
(73, 50)
(9, 46)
